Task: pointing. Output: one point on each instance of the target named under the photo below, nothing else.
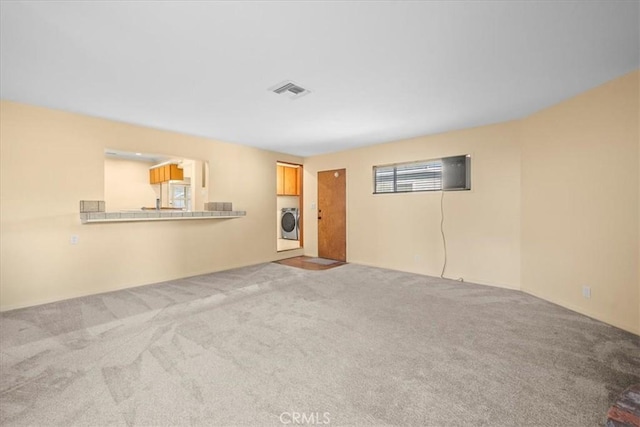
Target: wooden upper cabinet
(154, 175)
(165, 173)
(288, 182)
(280, 180)
(175, 173)
(291, 181)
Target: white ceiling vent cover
(290, 89)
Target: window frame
(395, 166)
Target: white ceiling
(378, 71)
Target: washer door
(288, 222)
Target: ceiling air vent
(289, 89)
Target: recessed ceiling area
(378, 71)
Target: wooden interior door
(332, 214)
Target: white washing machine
(289, 218)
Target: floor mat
(310, 263)
(321, 261)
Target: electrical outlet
(586, 292)
(74, 239)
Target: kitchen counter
(154, 215)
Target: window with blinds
(408, 177)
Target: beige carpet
(353, 345)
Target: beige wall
(536, 219)
(198, 190)
(402, 231)
(50, 160)
(126, 185)
(580, 195)
(558, 191)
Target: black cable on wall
(444, 239)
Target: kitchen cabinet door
(154, 176)
(291, 181)
(175, 173)
(280, 180)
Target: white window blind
(408, 177)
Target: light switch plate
(74, 239)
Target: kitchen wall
(50, 160)
(402, 231)
(197, 172)
(126, 185)
(580, 196)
